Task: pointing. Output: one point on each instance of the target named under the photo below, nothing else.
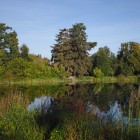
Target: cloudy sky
(108, 22)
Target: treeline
(70, 57)
(17, 63)
(126, 62)
(72, 52)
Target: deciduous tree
(104, 60)
(24, 52)
(129, 58)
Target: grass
(34, 81)
(78, 127)
(16, 123)
(83, 79)
(107, 79)
(118, 79)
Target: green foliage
(1, 63)
(70, 57)
(71, 50)
(105, 60)
(4, 36)
(8, 47)
(16, 123)
(42, 69)
(129, 58)
(8, 43)
(98, 73)
(38, 66)
(18, 67)
(13, 45)
(55, 71)
(24, 52)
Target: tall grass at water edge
(88, 128)
(16, 123)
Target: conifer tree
(4, 36)
(71, 50)
(13, 47)
(8, 43)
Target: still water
(106, 101)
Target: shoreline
(84, 79)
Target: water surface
(106, 101)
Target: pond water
(106, 101)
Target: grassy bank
(34, 81)
(118, 79)
(73, 80)
(109, 79)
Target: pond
(83, 111)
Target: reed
(16, 123)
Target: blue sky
(108, 22)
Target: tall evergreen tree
(8, 43)
(4, 36)
(13, 41)
(71, 50)
(61, 52)
(79, 50)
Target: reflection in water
(122, 110)
(114, 113)
(116, 102)
(42, 103)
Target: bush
(98, 73)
